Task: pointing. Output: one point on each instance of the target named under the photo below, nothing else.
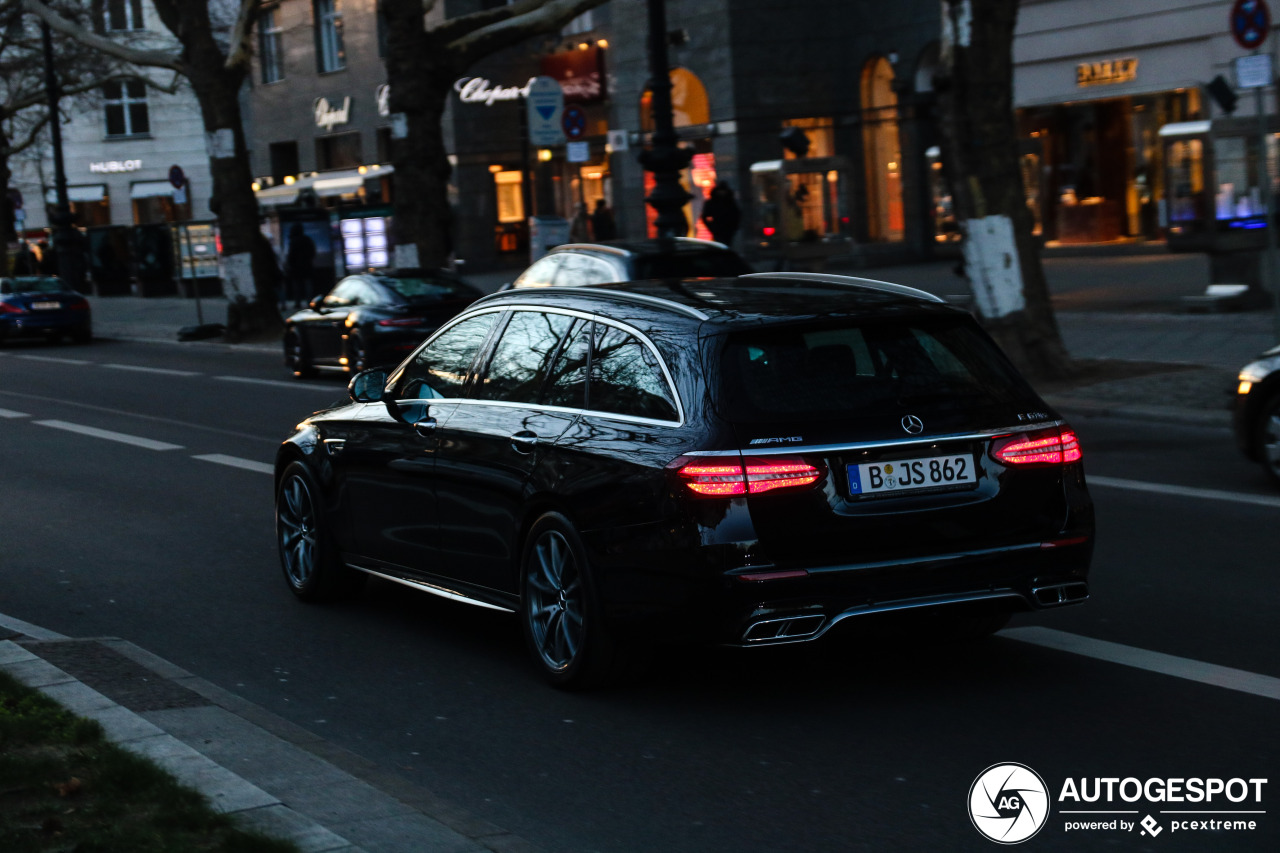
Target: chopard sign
(328, 115)
(478, 90)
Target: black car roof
(749, 299)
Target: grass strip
(65, 787)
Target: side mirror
(368, 386)
(316, 303)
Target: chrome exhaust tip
(1059, 594)
(783, 630)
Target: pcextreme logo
(1008, 803)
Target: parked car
(43, 306)
(748, 461)
(1257, 412)
(630, 260)
(372, 319)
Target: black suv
(576, 264)
(748, 461)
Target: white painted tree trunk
(992, 264)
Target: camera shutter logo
(1008, 803)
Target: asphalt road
(160, 531)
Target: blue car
(43, 307)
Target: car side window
(567, 384)
(523, 357)
(541, 274)
(627, 379)
(440, 369)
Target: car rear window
(691, 265)
(834, 371)
(428, 289)
(33, 284)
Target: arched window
(689, 108)
(882, 152)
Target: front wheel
(297, 357)
(308, 557)
(560, 611)
(1267, 432)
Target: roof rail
(851, 281)
(595, 290)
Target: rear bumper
(35, 325)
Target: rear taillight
(1053, 446)
(751, 475)
(6, 308)
(79, 306)
(406, 321)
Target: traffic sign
(574, 121)
(1250, 23)
(544, 107)
(177, 177)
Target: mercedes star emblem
(913, 425)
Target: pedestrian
(299, 267)
(721, 214)
(580, 226)
(602, 224)
(48, 260)
(24, 263)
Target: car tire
(357, 354)
(560, 611)
(296, 356)
(308, 557)
(1266, 433)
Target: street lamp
(664, 157)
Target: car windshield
(34, 284)
(834, 371)
(424, 289)
(722, 264)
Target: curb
(1153, 414)
(322, 797)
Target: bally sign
(327, 115)
(1107, 71)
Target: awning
(272, 196)
(82, 193)
(338, 185)
(338, 182)
(150, 189)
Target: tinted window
(691, 265)
(523, 357)
(347, 293)
(567, 384)
(626, 378)
(440, 369)
(844, 371)
(429, 289)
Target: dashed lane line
(54, 359)
(123, 438)
(278, 383)
(10, 413)
(166, 371)
(1184, 491)
(236, 462)
(1214, 675)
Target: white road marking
(1184, 491)
(277, 383)
(237, 462)
(123, 438)
(1214, 675)
(54, 359)
(164, 370)
(10, 413)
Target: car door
(388, 458)
(325, 328)
(491, 445)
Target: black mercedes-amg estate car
(747, 461)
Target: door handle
(425, 427)
(524, 441)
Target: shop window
(126, 109)
(689, 104)
(270, 52)
(339, 151)
(510, 187)
(122, 15)
(382, 141)
(330, 55)
(821, 134)
(882, 152)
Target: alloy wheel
(555, 601)
(296, 528)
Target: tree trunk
(7, 232)
(422, 74)
(1002, 261)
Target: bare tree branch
(537, 17)
(456, 28)
(152, 58)
(242, 33)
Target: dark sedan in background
(43, 307)
(372, 318)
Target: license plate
(46, 306)
(906, 475)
